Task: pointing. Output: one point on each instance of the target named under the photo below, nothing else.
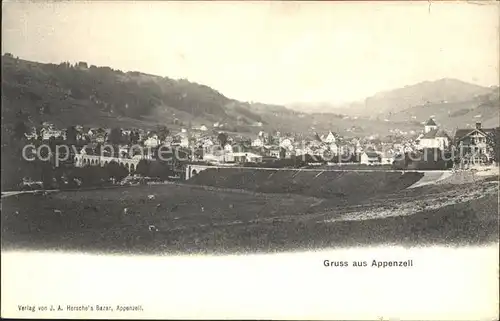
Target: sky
(270, 52)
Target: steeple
(430, 125)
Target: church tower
(430, 125)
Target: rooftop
(430, 122)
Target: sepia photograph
(250, 160)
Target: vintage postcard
(250, 160)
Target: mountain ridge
(397, 99)
(101, 96)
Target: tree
(222, 139)
(115, 136)
(46, 109)
(282, 152)
(71, 135)
(142, 168)
(116, 171)
(47, 176)
(20, 129)
(163, 132)
(493, 141)
(134, 137)
(160, 170)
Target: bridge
(194, 169)
(82, 160)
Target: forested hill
(70, 94)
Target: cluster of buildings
(208, 146)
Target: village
(475, 146)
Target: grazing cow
(125, 211)
(153, 228)
(151, 197)
(57, 211)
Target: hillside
(484, 108)
(428, 92)
(93, 95)
(100, 96)
(453, 103)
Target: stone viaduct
(83, 160)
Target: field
(200, 219)
(328, 184)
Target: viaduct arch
(91, 160)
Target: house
(330, 138)
(100, 137)
(370, 158)
(213, 157)
(303, 151)
(206, 143)
(181, 139)
(258, 142)
(473, 144)
(47, 133)
(92, 132)
(228, 149)
(202, 128)
(123, 151)
(47, 125)
(168, 141)
(184, 141)
(152, 141)
(435, 138)
(286, 143)
(289, 153)
(219, 155)
(334, 148)
(247, 157)
(387, 158)
(274, 151)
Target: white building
(184, 141)
(152, 141)
(257, 142)
(433, 137)
(247, 158)
(49, 132)
(387, 158)
(202, 128)
(228, 149)
(330, 138)
(286, 143)
(207, 143)
(370, 158)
